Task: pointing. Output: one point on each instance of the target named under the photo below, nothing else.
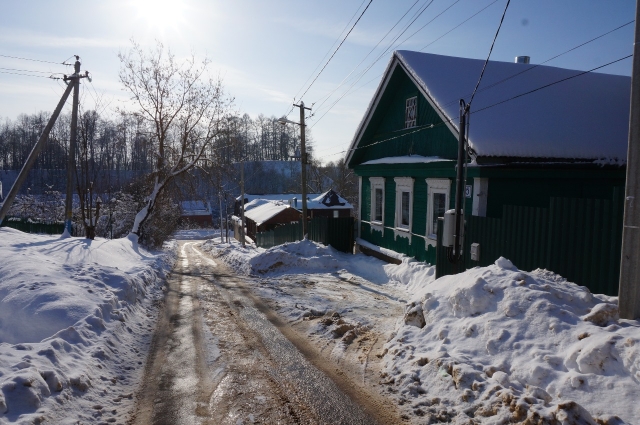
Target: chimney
(523, 59)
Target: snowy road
(217, 359)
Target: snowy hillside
(75, 319)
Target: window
(377, 203)
(404, 203)
(336, 214)
(411, 112)
(437, 203)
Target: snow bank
(502, 345)
(306, 257)
(72, 312)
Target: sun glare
(160, 14)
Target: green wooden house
(545, 166)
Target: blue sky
(266, 51)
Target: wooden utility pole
(242, 204)
(31, 159)
(71, 164)
(303, 165)
(629, 290)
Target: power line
(460, 24)
(32, 60)
(331, 48)
(27, 75)
(451, 120)
(548, 60)
(29, 70)
(324, 98)
(484, 67)
(338, 48)
(552, 84)
(378, 59)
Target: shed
(547, 155)
(269, 215)
(196, 213)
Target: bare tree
(182, 107)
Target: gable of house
(383, 134)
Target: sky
(268, 53)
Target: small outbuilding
(264, 215)
(196, 213)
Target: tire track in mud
(216, 359)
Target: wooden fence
(28, 226)
(578, 238)
(337, 232)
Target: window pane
(410, 112)
(405, 208)
(378, 205)
(439, 207)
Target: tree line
(180, 140)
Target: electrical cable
(32, 60)
(338, 48)
(451, 120)
(330, 49)
(27, 75)
(350, 89)
(543, 62)
(29, 70)
(323, 99)
(484, 67)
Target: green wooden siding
(415, 245)
(388, 122)
(578, 238)
(337, 232)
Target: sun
(160, 14)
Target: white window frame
(435, 186)
(411, 107)
(376, 183)
(404, 184)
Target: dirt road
(219, 356)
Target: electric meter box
(449, 228)
(475, 252)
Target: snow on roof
(586, 117)
(409, 159)
(280, 197)
(323, 201)
(264, 212)
(314, 200)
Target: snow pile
(501, 345)
(74, 317)
(309, 257)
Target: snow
(584, 117)
(317, 203)
(502, 345)
(495, 344)
(265, 211)
(75, 318)
(408, 159)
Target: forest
(115, 156)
